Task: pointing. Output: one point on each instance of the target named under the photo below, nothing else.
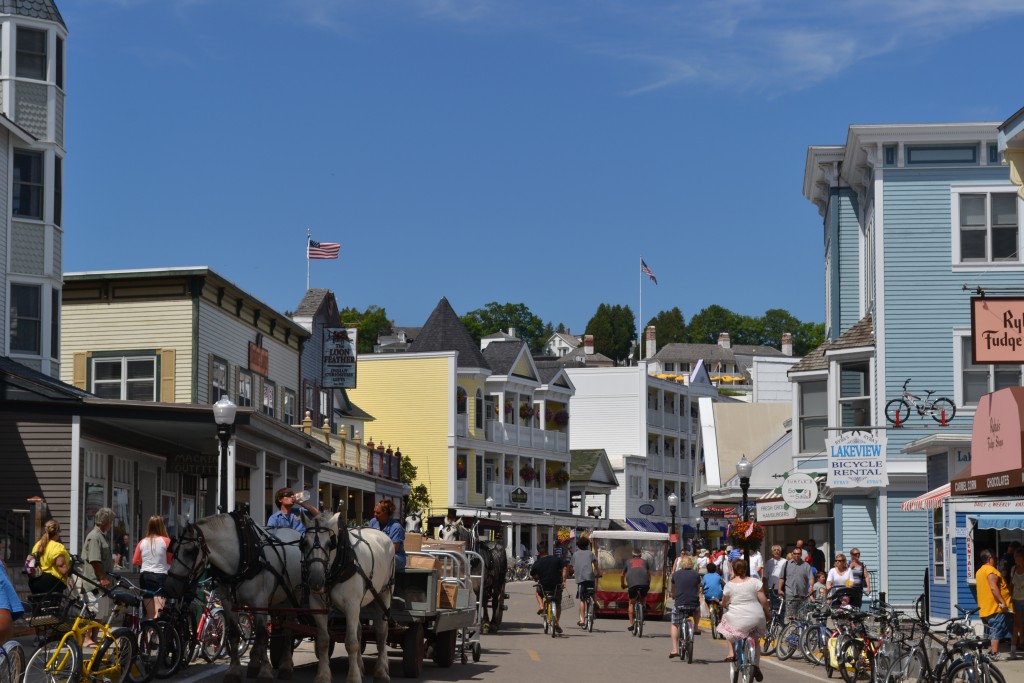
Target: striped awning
(927, 501)
(644, 524)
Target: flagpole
(308, 237)
(640, 321)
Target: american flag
(647, 271)
(323, 250)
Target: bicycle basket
(50, 610)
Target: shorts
(637, 592)
(556, 591)
(681, 614)
(998, 625)
(152, 581)
(582, 587)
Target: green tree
(419, 497)
(613, 328)
(495, 317)
(560, 329)
(706, 325)
(670, 327)
(807, 338)
(372, 323)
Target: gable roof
(860, 335)
(501, 356)
(443, 331)
(311, 302)
(585, 463)
(20, 382)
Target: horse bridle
(323, 557)
(192, 534)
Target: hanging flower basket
(508, 408)
(563, 534)
(739, 538)
(561, 477)
(526, 412)
(460, 469)
(527, 473)
(548, 415)
(562, 418)
(509, 471)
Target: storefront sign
(193, 464)
(518, 495)
(339, 358)
(799, 490)
(718, 513)
(857, 460)
(997, 330)
(996, 441)
(259, 359)
(775, 511)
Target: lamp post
(743, 469)
(673, 501)
(224, 416)
(489, 502)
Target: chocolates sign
(997, 329)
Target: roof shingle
(443, 331)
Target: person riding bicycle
(585, 571)
(550, 573)
(746, 612)
(636, 580)
(685, 590)
(711, 585)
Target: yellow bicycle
(62, 657)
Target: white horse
(414, 523)
(354, 576)
(256, 568)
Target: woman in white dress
(746, 612)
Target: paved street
(522, 652)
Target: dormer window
(31, 56)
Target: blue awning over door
(1000, 521)
(644, 524)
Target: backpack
(32, 568)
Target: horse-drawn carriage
(333, 583)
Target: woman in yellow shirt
(54, 560)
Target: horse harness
(344, 564)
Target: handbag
(31, 568)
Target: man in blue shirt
(383, 519)
(285, 516)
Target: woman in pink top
(153, 556)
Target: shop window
(938, 545)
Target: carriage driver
(383, 519)
(285, 517)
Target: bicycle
(914, 665)
(792, 634)
(685, 644)
(741, 668)
(638, 614)
(714, 616)
(12, 662)
(941, 409)
(548, 612)
(150, 636)
(589, 610)
(63, 660)
(776, 623)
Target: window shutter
(79, 374)
(167, 375)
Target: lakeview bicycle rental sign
(856, 460)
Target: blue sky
(525, 151)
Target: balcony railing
(528, 437)
(538, 497)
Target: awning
(644, 524)
(1003, 521)
(927, 501)
(687, 529)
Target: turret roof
(37, 9)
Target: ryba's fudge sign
(997, 329)
(856, 460)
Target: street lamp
(673, 501)
(489, 502)
(224, 416)
(743, 469)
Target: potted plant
(526, 411)
(562, 418)
(746, 535)
(527, 473)
(561, 477)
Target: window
(478, 475)
(479, 407)
(26, 317)
(58, 190)
(813, 416)
(244, 388)
(987, 227)
(636, 483)
(31, 55)
(670, 367)
(325, 408)
(460, 466)
(289, 406)
(218, 379)
(27, 191)
(962, 154)
(269, 398)
(461, 400)
(938, 552)
(59, 58)
(128, 378)
(54, 323)
(854, 394)
(978, 380)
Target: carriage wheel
(413, 647)
(476, 651)
(444, 648)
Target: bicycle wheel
(770, 641)
(815, 644)
(129, 664)
(551, 618)
(897, 411)
(149, 647)
(854, 662)
(246, 632)
(964, 672)
(639, 619)
(942, 410)
(55, 662)
(12, 662)
(789, 641)
(713, 619)
(688, 643)
(172, 650)
(213, 635)
(114, 657)
(591, 614)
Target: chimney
(588, 344)
(652, 342)
(787, 344)
(568, 333)
(512, 332)
(723, 340)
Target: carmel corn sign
(996, 440)
(997, 329)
